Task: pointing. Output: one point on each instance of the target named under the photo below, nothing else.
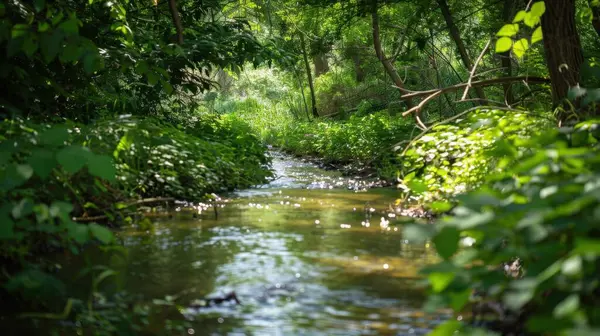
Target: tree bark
(176, 20)
(562, 47)
(454, 33)
(387, 64)
(311, 86)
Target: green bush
(542, 205)
(453, 158)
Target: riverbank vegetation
(485, 109)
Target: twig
(473, 69)
(422, 103)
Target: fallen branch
(485, 82)
(87, 219)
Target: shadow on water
(303, 258)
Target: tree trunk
(353, 52)
(176, 20)
(562, 47)
(387, 65)
(311, 86)
(464, 56)
(505, 62)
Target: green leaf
(537, 35)
(508, 30)
(61, 209)
(79, 232)
(531, 20)
(24, 171)
(572, 266)
(587, 246)
(520, 47)
(102, 166)
(43, 162)
(538, 9)
(101, 233)
(446, 242)
(440, 281)
(445, 329)
(19, 30)
(22, 209)
(460, 299)
(520, 16)
(30, 45)
(440, 207)
(417, 186)
(70, 53)
(517, 299)
(73, 158)
(503, 44)
(38, 5)
(567, 307)
(417, 233)
(92, 61)
(70, 26)
(50, 45)
(55, 136)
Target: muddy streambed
(307, 254)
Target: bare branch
(473, 69)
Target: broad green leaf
(79, 232)
(440, 281)
(445, 329)
(24, 171)
(73, 158)
(537, 35)
(69, 26)
(50, 45)
(102, 233)
(520, 16)
(503, 44)
(39, 5)
(587, 246)
(440, 207)
(55, 136)
(417, 186)
(567, 307)
(538, 9)
(460, 299)
(60, 209)
(43, 162)
(520, 47)
(508, 30)
(102, 166)
(516, 299)
(19, 30)
(572, 266)
(531, 20)
(446, 242)
(417, 233)
(22, 209)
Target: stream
(311, 253)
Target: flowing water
(307, 254)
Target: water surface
(307, 254)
